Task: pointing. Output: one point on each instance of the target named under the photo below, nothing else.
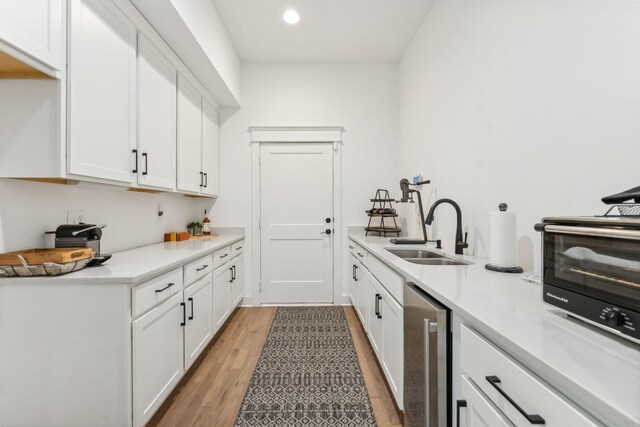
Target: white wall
(207, 27)
(362, 98)
(528, 102)
(28, 209)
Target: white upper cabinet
(102, 91)
(156, 117)
(190, 176)
(35, 27)
(210, 149)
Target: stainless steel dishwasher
(426, 360)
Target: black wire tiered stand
(384, 213)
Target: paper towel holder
(503, 208)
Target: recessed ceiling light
(291, 17)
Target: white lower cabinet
(199, 311)
(353, 288)
(474, 410)
(158, 356)
(381, 315)
(374, 330)
(521, 397)
(221, 295)
(392, 342)
(237, 280)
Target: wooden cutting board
(40, 256)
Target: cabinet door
(478, 412)
(362, 295)
(156, 117)
(353, 288)
(375, 321)
(221, 295)
(199, 328)
(392, 344)
(210, 149)
(158, 356)
(190, 176)
(237, 285)
(102, 91)
(35, 27)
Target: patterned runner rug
(308, 374)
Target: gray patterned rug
(308, 374)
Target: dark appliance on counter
(591, 269)
(82, 236)
(427, 353)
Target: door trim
(296, 134)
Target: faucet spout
(460, 244)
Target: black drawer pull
(233, 273)
(356, 273)
(224, 256)
(379, 298)
(184, 314)
(459, 404)
(231, 278)
(165, 288)
(238, 248)
(135, 168)
(191, 301)
(532, 418)
(146, 163)
(203, 267)
(353, 272)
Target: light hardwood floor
(212, 393)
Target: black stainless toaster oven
(591, 269)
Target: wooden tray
(40, 256)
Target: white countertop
(595, 369)
(137, 265)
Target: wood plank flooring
(212, 393)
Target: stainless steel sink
(435, 261)
(424, 257)
(415, 253)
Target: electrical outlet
(75, 217)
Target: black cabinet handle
(238, 248)
(184, 314)
(202, 268)
(378, 299)
(353, 272)
(532, 418)
(165, 288)
(206, 180)
(201, 179)
(234, 272)
(146, 163)
(191, 301)
(356, 272)
(459, 404)
(224, 256)
(135, 168)
(231, 270)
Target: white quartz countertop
(137, 265)
(597, 370)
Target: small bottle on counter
(206, 224)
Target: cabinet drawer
(391, 280)
(155, 291)
(353, 248)
(491, 370)
(237, 248)
(196, 270)
(361, 255)
(221, 256)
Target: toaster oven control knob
(614, 318)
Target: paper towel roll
(502, 230)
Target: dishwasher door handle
(429, 328)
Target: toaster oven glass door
(602, 267)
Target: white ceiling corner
(328, 31)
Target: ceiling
(328, 31)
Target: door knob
(327, 231)
(327, 220)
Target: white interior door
(296, 199)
